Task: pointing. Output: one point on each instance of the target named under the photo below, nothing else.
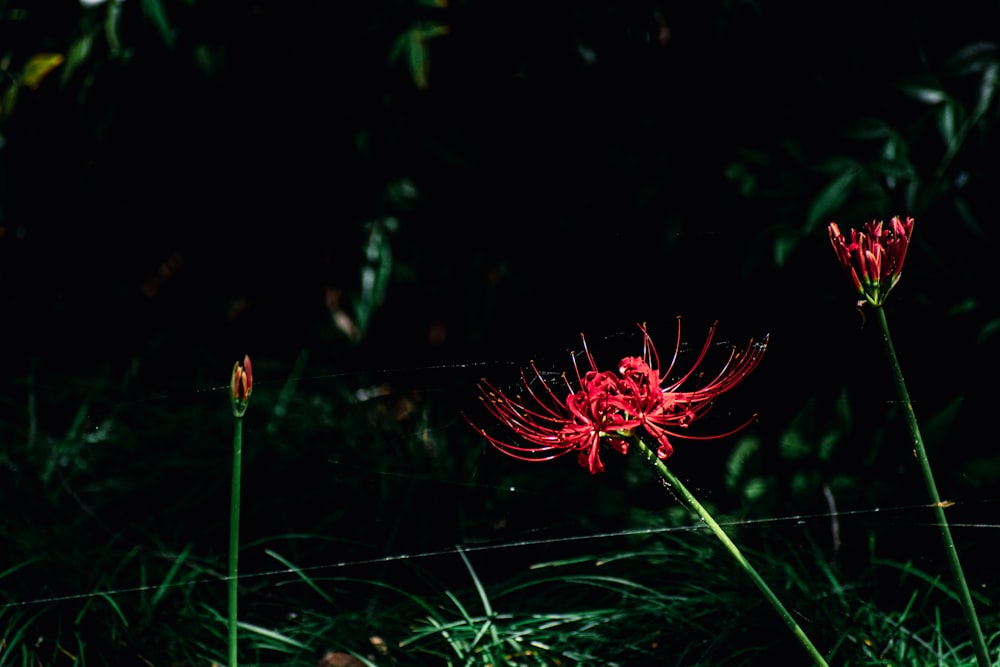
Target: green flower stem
(964, 596)
(733, 549)
(234, 536)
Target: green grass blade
(167, 582)
(300, 574)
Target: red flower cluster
(605, 406)
(873, 259)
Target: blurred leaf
(153, 9)
(963, 307)
(988, 330)
(804, 482)
(871, 128)
(838, 164)
(412, 45)
(973, 58)
(794, 445)
(987, 89)
(828, 444)
(402, 193)
(9, 101)
(784, 245)
(376, 271)
(203, 58)
(755, 488)
(744, 180)
(419, 60)
(737, 461)
(928, 94)
(111, 19)
(76, 55)
(39, 66)
(896, 148)
(831, 198)
(946, 122)
(888, 175)
(843, 409)
(892, 169)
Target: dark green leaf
(153, 9)
(831, 198)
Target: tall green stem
(234, 536)
(734, 550)
(964, 596)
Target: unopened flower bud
(241, 385)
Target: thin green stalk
(969, 610)
(734, 550)
(234, 536)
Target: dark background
(206, 187)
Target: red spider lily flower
(873, 259)
(605, 407)
(662, 408)
(241, 385)
(551, 426)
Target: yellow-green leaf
(38, 67)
